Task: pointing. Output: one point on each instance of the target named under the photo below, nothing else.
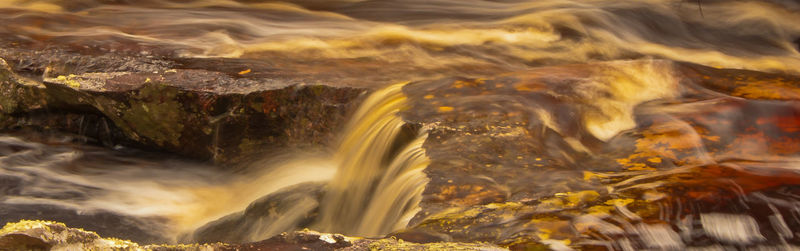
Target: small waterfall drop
(375, 190)
(379, 181)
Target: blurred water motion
(453, 36)
(158, 197)
(624, 154)
(594, 124)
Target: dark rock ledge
(198, 113)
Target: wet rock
(106, 223)
(44, 235)
(523, 135)
(630, 218)
(48, 235)
(289, 209)
(519, 158)
(311, 240)
(518, 136)
(797, 43)
(302, 240)
(23, 242)
(198, 113)
(747, 84)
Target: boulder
(286, 210)
(196, 112)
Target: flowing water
(376, 189)
(442, 36)
(374, 180)
(383, 198)
(513, 63)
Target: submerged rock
(525, 159)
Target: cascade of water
(379, 182)
(376, 189)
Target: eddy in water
(556, 124)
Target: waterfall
(376, 188)
(379, 181)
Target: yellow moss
(511, 205)
(69, 81)
(619, 202)
(640, 167)
(65, 238)
(595, 210)
(588, 176)
(24, 225)
(392, 244)
(445, 108)
(459, 84)
(119, 243)
(654, 160)
(457, 213)
(543, 234)
(573, 199)
(49, 234)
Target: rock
(516, 159)
(523, 135)
(286, 210)
(48, 235)
(747, 84)
(303, 240)
(630, 215)
(44, 235)
(199, 113)
(141, 230)
(797, 43)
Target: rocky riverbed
(476, 125)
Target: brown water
(593, 112)
(443, 35)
